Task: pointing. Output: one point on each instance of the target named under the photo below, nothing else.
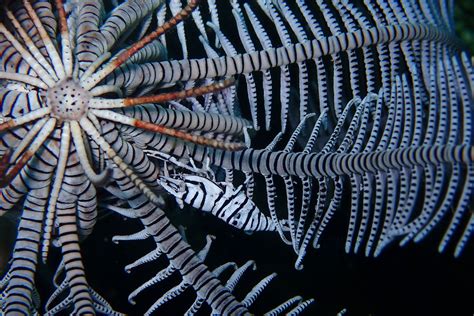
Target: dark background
(464, 19)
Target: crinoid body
(119, 104)
(60, 143)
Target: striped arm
(123, 17)
(133, 155)
(193, 69)
(189, 120)
(90, 43)
(73, 266)
(87, 209)
(331, 165)
(17, 296)
(180, 255)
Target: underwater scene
(236, 157)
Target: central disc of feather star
(68, 100)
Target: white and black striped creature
(221, 199)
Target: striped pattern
(388, 174)
(331, 165)
(223, 201)
(60, 161)
(404, 53)
(18, 284)
(180, 254)
(367, 77)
